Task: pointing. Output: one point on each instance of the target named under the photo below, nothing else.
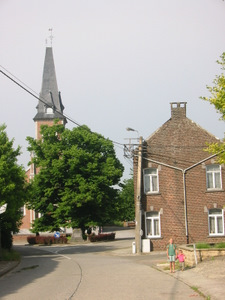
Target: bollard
(133, 248)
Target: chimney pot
(178, 109)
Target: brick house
(49, 108)
(182, 186)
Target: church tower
(50, 105)
(49, 108)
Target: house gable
(179, 141)
(175, 199)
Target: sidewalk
(207, 277)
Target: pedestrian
(172, 255)
(181, 257)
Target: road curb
(8, 266)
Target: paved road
(90, 271)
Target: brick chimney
(178, 110)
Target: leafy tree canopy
(13, 185)
(217, 98)
(126, 208)
(76, 178)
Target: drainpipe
(185, 205)
(184, 171)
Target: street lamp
(131, 129)
(138, 229)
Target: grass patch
(195, 288)
(203, 246)
(210, 246)
(220, 245)
(10, 255)
(167, 268)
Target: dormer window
(49, 110)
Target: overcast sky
(118, 63)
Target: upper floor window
(151, 182)
(152, 224)
(213, 177)
(216, 222)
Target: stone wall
(201, 254)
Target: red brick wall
(199, 200)
(180, 143)
(38, 125)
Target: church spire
(51, 108)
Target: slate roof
(49, 92)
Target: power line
(27, 89)
(43, 101)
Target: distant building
(49, 108)
(182, 186)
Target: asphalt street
(90, 271)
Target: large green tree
(217, 98)
(76, 178)
(13, 188)
(125, 203)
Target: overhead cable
(32, 93)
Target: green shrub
(118, 223)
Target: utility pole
(138, 200)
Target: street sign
(57, 235)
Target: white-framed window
(213, 177)
(152, 224)
(151, 180)
(23, 210)
(216, 222)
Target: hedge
(102, 237)
(46, 240)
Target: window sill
(152, 193)
(216, 235)
(214, 190)
(153, 237)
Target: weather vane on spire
(51, 36)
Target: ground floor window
(216, 222)
(152, 224)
